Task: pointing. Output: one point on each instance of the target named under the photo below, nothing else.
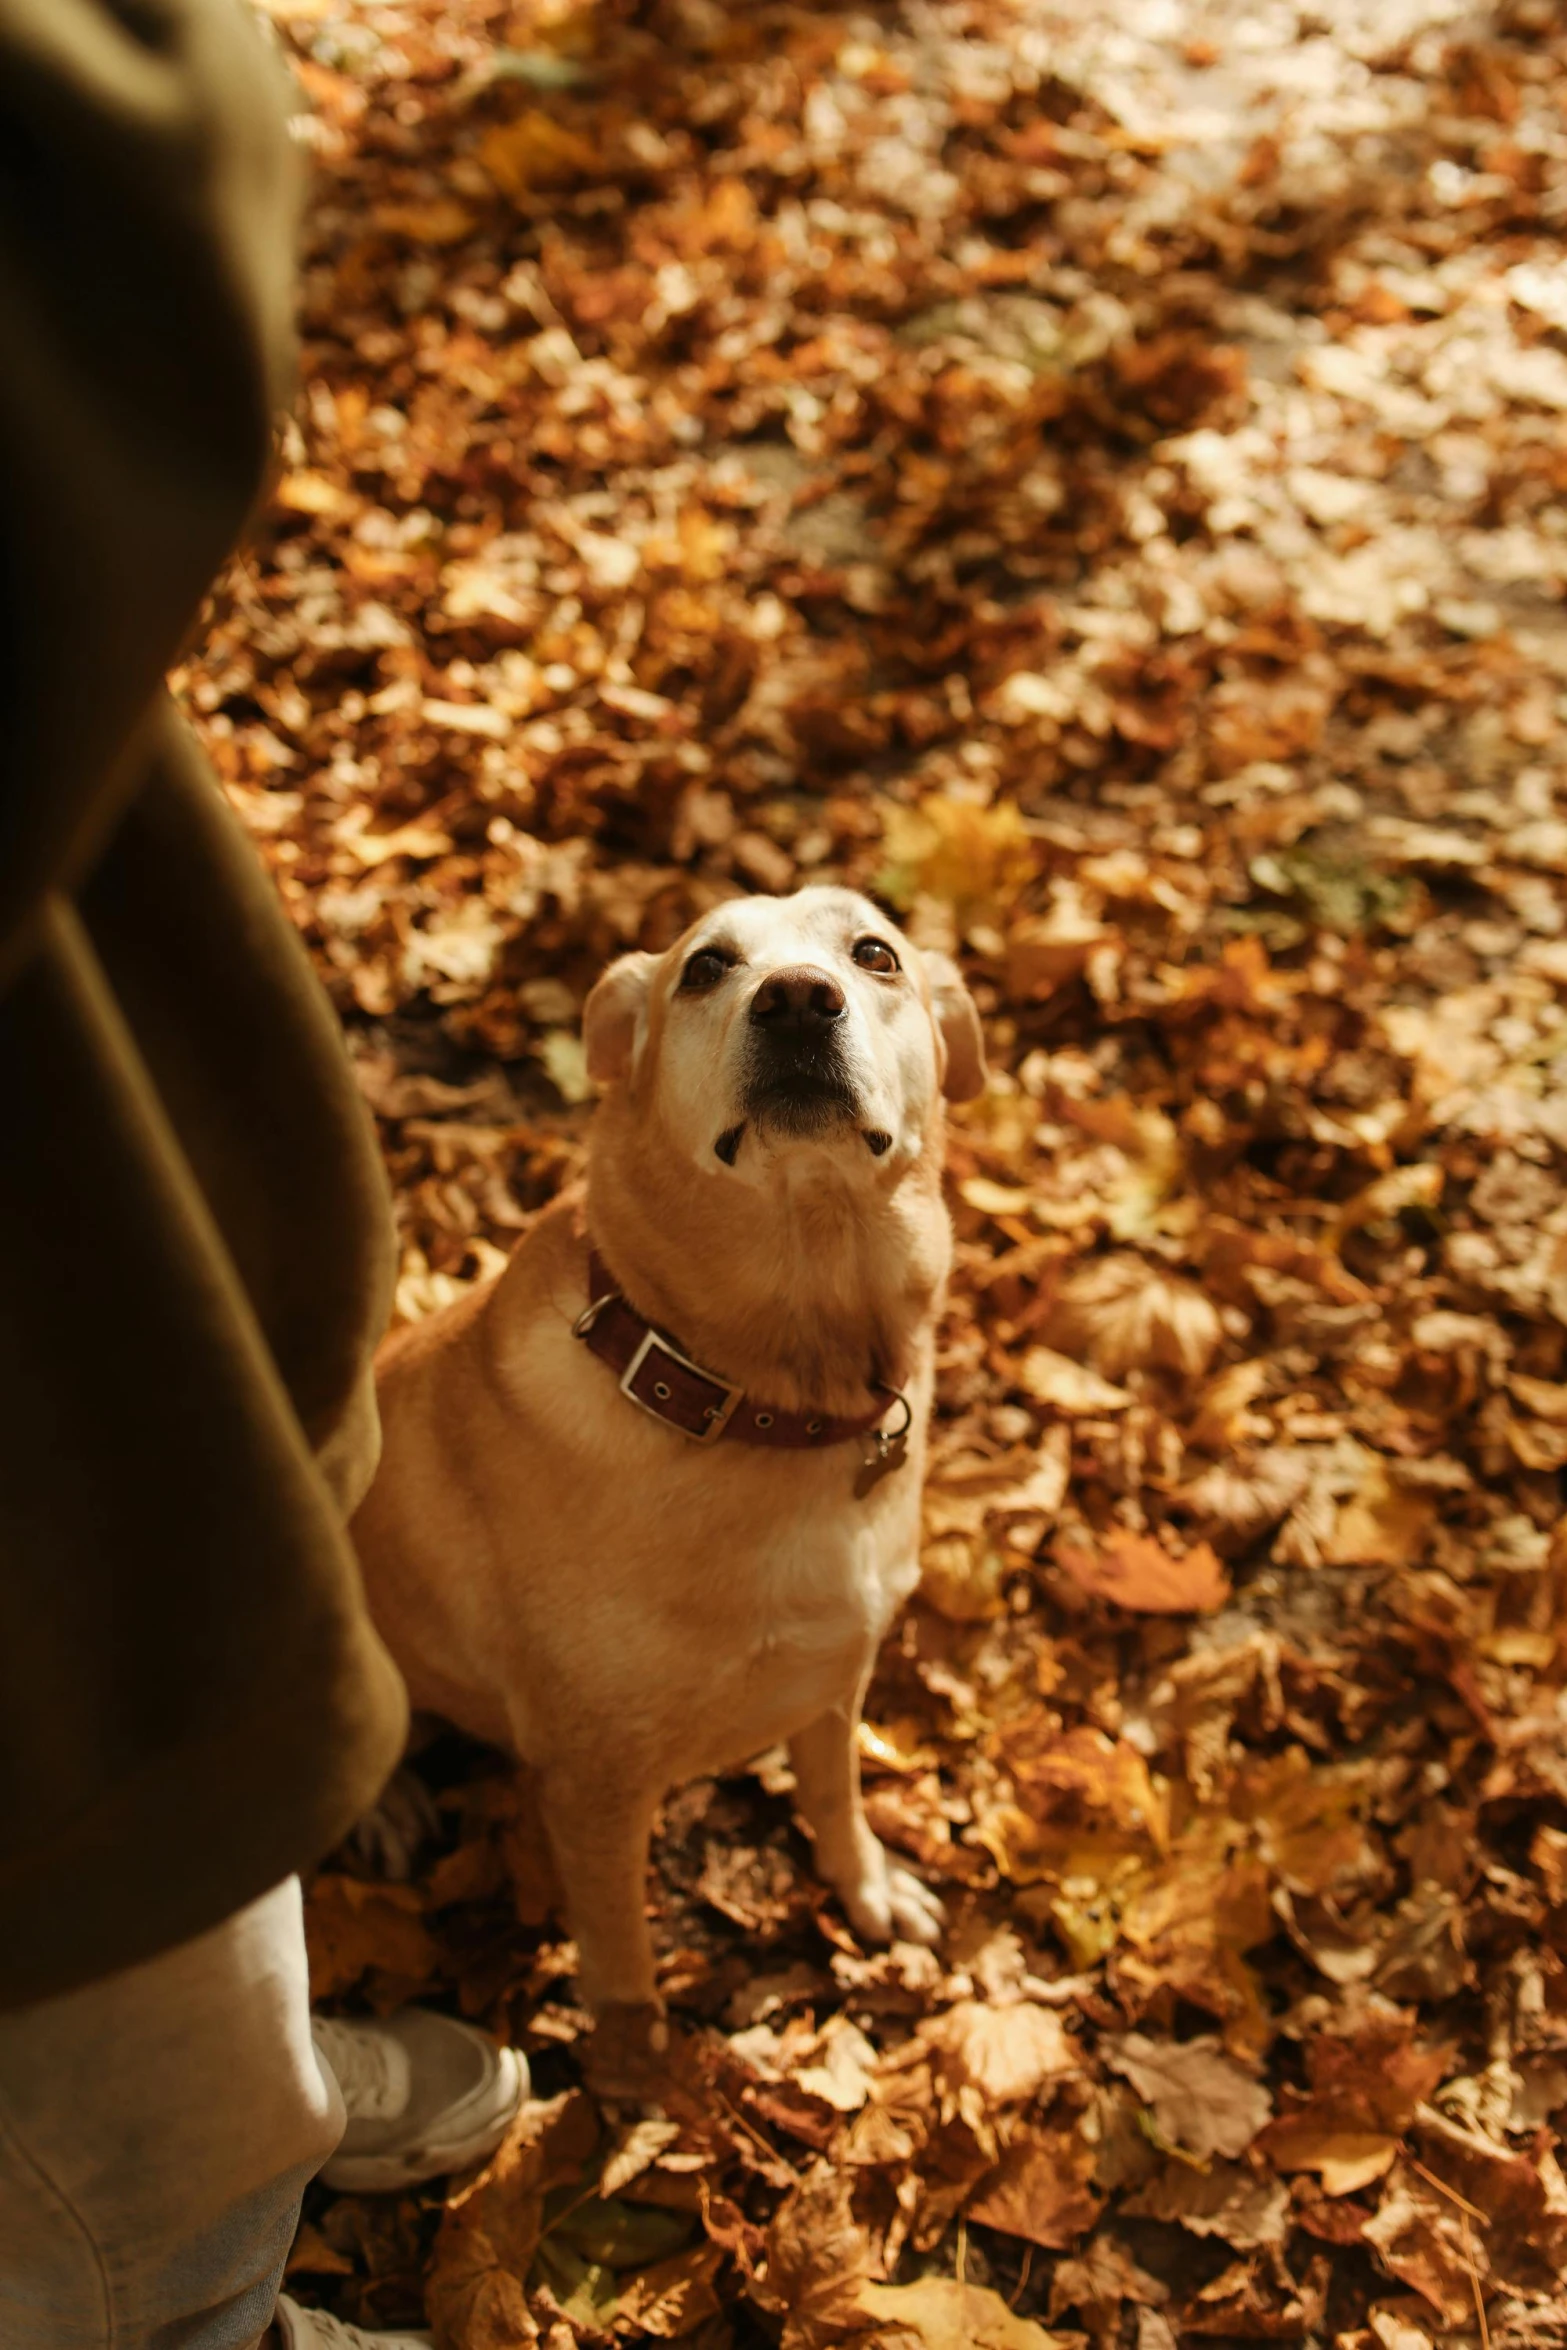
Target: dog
(649, 1498)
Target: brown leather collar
(660, 1378)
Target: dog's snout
(802, 1001)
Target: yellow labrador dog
(650, 1497)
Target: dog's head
(780, 1025)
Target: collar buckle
(717, 1415)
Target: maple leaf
(1202, 2100)
(475, 2291)
(1138, 1573)
(972, 858)
(1124, 1315)
(817, 2264)
(1007, 2053)
(1243, 1498)
(1041, 2189)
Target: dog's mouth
(803, 1091)
(875, 1138)
(801, 1095)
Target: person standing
(195, 1265)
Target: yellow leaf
(1543, 1399)
(1062, 1773)
(537, 152)
(1381, 1525)
(418, 839)
(566, 1062)
(1344, 2160)
(1418, 1186)
(1221, 1413)
(994, 1199)
(973, 859)
(963, 1576)
(942, 2314)
(1519, 1647)
(443, 222)
(313, 493)
(1066, 1386)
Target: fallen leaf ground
(1094, 476)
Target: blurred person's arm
(147, 217)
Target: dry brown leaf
(1202, 2100)
(634, 2150)
(1139, 1573)
(1126, 1316)
(817, 2264)
(672, 2299)
(1007, 2053)
(1244, 2207)
(354, 1928)
(1070, 1774)
(1041, 2189)
(1344, 2160)
(1068, 1387)
(1101, 2280)
(1382, 1525)
(1249, 2303)
(1244, 1498)
(939, 2313)
(1421, 2237)
(475, 2289)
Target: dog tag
(889, 1453)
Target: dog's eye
(874, 954)
(705, 969)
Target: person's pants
(157, 2131)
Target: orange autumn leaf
(1041, 2190)
(1140, 1574)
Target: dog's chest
(799, 1622)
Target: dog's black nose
(799, 1002)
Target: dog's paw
(890, 1904)
(917, 1914)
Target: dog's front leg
(883, 1900)
(599, 1833)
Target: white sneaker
(424, 2093)
(315, 2329)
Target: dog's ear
(957, 1017)
(610, 1017)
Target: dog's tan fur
(621, 1606)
